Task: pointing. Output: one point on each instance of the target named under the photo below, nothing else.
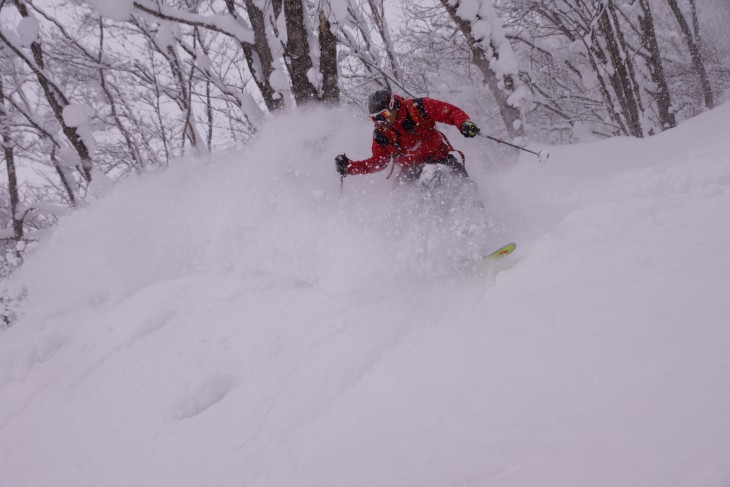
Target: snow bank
(239, 321)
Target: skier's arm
(443, 112)
(377, 162)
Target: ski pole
(542, 156)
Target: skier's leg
(456, 166)
(409, 174)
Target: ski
(502, 251)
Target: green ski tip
(502, 251)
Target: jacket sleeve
(377, 162)
(443, 112)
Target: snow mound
(244, 320)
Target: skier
(405, 131)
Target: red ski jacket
(413, 138)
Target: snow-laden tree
(368, 56)
(27, 45)
(289, 45)
(591, 42)
(608, 67)
(492, 54)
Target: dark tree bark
(8, 151)
(623, 78)
(694, 52)
(656, 67)
(328, 60)
(296, 53)
(259, 54)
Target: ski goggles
(381, 117)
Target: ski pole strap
(392, 168)
(451, 147)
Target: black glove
(469, 129)
(341, 163)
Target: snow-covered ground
(243, 322)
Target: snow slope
(240, 322)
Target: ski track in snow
(244, 322)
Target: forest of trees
(94, 90)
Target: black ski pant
(410, 174)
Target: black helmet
(379, 101)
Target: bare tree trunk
(183, 97)
(511, 116)
(209, 113)
(656, 67)
(695, 23)
(63, 177)
(622, 79)
(694, 52)
(10, 165)
(261, 52)
(328, 60)
(296, 53)
(12, 183)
